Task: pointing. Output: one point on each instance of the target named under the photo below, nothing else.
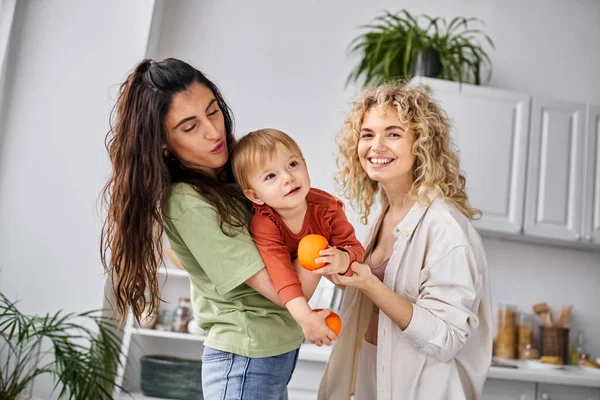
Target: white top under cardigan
(438, 264)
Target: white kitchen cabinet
(496, 389)
(490, 127)
(546, 391)
(591, 189)
(532, 164)
(136, 342)
(555, 170)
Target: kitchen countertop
(568, 375)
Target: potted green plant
(398, 46)
(83, 356)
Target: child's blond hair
(255, 149)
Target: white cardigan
(438, 264)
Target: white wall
(65, 61)
(7, 9)
(284, 65)
(7, 12)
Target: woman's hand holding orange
(362, 277)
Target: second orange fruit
(333, 321)
(308, 250)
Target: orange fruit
(333, 321)
(308, 251)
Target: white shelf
(569, 375)
(166, 334)
(172, 272)
(310, 352)
(138, 396)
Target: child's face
(281, 183)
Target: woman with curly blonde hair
(418, 310)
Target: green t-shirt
(236, 318)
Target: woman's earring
(166, 152)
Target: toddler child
(270, 168)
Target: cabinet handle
(588, 238)
(577, 236)
(545, 396)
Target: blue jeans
(228, 376)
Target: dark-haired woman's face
(196, 129)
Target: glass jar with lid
(529, 353)
(525, 335)
(506, 337)
(182, 315)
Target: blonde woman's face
(385, 147)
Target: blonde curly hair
(436, 162)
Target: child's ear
(251, 195)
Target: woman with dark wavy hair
(169, 144)
(418, 310)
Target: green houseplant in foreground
(394, 44)
(83, 353)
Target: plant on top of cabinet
(396, 46)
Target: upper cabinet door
(490, 128)
(591, 189)
(554, 180)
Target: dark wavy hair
(142, 174)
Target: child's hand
(338, 261)
(316, 330)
